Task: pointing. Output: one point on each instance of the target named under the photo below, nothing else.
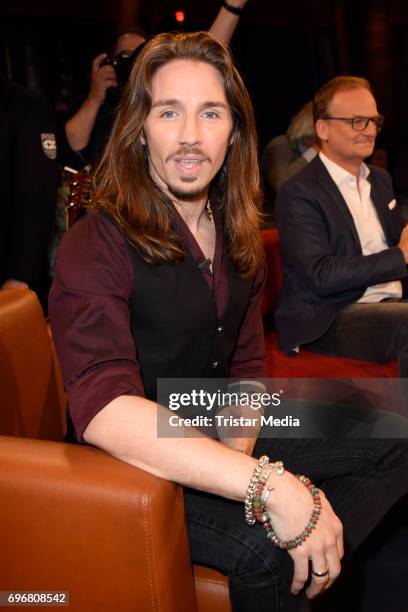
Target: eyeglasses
(360, 123)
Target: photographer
(84, 135)
(89, 121)
(79, 128)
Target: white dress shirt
(368, 226)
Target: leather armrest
(212, 590)
(75, 519)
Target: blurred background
(285, 51)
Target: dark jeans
(362, 479)
(375, 332)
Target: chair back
(32, 399)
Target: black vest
(175, 326)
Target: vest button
(214, 364)
(220, 328)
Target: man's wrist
(237, 3)
(93, 102)
(234, 6)
(276, 502)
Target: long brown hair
(125, 190)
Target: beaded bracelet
(263, 517)
(250, 492)
(260, 475)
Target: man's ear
(322, 129)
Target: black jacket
(28, 178)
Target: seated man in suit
(344, 249)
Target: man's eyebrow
(176, 102)
(167, 102)
(213, 104)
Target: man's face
(188, 128)
(340, 141)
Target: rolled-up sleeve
(90, 318)
(249, 359)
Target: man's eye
(168, 114)
(210, 115)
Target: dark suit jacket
(324, 268)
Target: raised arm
(79, 128)
(227, 20)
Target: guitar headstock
(80, 192)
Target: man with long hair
(163, 279)
(88, 123)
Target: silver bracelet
(250, 492)
(266, 494)
(278, 467)
(261, 473)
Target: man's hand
(102, 78)
(11, 283)
(403, 243)
(290, 506)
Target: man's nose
(190, 132)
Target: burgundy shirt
(90, 315)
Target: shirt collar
(339, 174)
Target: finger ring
(321, 574)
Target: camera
(122, 63)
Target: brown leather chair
(73, 518)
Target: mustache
(182, 151)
